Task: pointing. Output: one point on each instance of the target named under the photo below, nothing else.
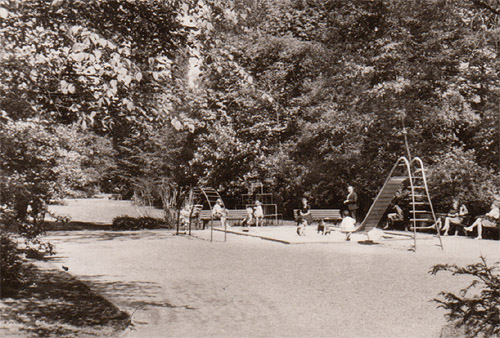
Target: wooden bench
(205, 216)
(318, 215)
(322, 214)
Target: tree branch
(482, 4)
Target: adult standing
(351, 202)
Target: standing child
(184, 215)
(348, 222)
(258, 213)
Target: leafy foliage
(141, 223)
(305, 95)
(10, 263)
(478, 312)
(40, 162)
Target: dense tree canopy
(308, 95)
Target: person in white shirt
(185, 214)
(248, 220)
(219, 212)
(258, 213)
(489, 220)
(348, 223)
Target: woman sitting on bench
(304, 214)
(220, 212)
(491, 220)
(454, 217)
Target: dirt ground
(49, 302)
(180, 286)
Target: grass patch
(53, 303)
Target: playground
(206, 278)
(187, 286)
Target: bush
(141, 223)
(37, 249)
(456, 175)
(478, 314)
(11, 261)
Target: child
(301, 228)
(248, 218)
(258, 213)
(348, 222)
(323, 228)
(184, 215)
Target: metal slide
(422, 211)
(384, 198)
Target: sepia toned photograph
(250, 168)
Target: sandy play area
(180, 286)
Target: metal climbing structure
(204, 198)
(422, 215)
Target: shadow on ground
(53, 303)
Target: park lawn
(96, 213)
(52, 303)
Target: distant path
(183, 287)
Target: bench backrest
(205, 214)
(235, 213)
(323, 214)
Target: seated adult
(491, 219)
(304, 216)
(454, 217)
(394, 217)
(220, 212)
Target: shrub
(37, 249)
(10, 263)
(477, 313)
(133, 223)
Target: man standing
(351, 202)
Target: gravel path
(179, 286)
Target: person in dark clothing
(351, 202)
(304, 213)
